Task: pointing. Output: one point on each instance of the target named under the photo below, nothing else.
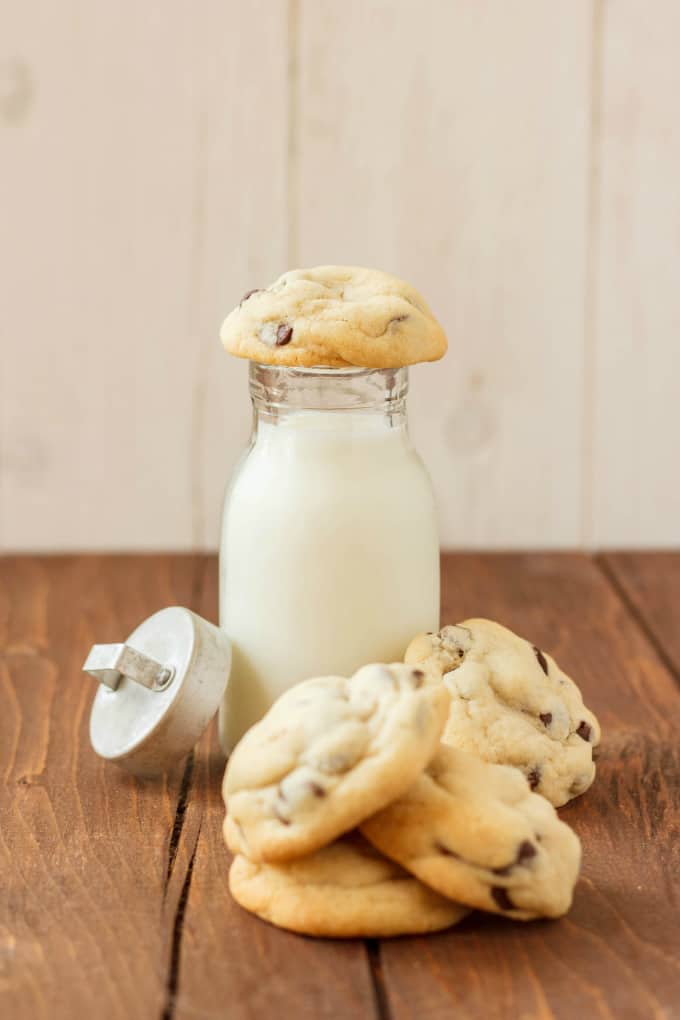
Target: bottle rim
(321, 387)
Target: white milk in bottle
(329, 555)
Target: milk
(329, 556)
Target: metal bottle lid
(158, 691)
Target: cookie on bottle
(335, 316)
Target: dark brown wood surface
(84, 848)
(113, 897)
(649, 583)
(617, 952)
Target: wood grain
(635, 492)
(83, 847)
(616, 954)
(114, 896)
(650, 582)
(448, 143)
(233, 964)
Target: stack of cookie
(348, 815)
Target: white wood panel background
(519, 162)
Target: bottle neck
(278, 393)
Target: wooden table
(113, 892)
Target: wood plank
(232, 963)
(85, 851)
(448, 143)
(635, 493)
(651, 584)
(83, 847)
(144, 179)
(617, 952)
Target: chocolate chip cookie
(476, 833)
(512, 704)
(336, 316)
(344, 890)
(330, 752)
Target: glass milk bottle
(329, 555)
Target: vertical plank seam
(180, 812)
(186, 785)
(198, 582)
(619, 587)
(197, 445)
(292, 133)
(172, 986)
(2, 451)
(593, 172)
(380, 996)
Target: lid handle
(108, 663)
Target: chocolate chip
(284, 334)
(542, 661)
(546, 718)
(505, 870)
(281, 817)
(584, 730)
(501, 898)
(418, 676)
(316, 789)
(278, 810)
(249, 294)
(534, 777)
(445, 850)
(526, 851)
